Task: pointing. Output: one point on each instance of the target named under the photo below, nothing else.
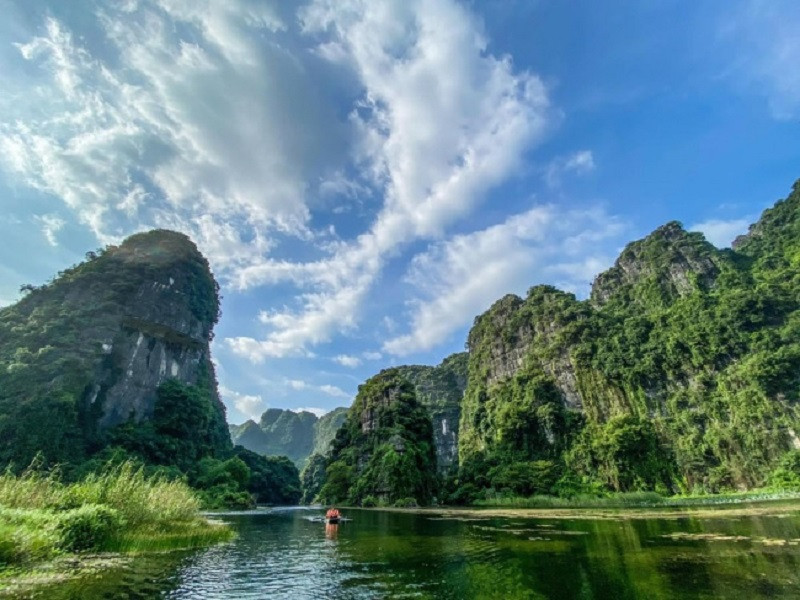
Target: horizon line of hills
(679, 373)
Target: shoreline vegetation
(45, 522)
(635, 505)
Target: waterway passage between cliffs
(282, 553)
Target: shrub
(406, 503)
(89, 527)
(786, 475)
(369, 502)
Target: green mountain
(111, 359)
(282, 432)
(680, 373)
(385, 449)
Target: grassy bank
(637, 500)
(120, 510)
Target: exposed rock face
(126, 321)
(677, 261)
(440, 390)
(159, 333)
(510, 328)
(682, 347)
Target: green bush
(786, 475)
(406, 503)
(370, 502)
(90, 527)
(226, 496)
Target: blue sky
(367, 176)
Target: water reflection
(331, 531)
(282, 554)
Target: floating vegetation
(720, 537)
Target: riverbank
(699, 507)
(51, 529)
(639, 500)
(766, 509)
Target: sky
(367, 176)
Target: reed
(121, 509)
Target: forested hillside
(680, 373)
(110, 360)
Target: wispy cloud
(328, 389)
(51, 225)
(210, 118)
(347, 360)
(249, 405)
(578, 163)
(765, 37)
(457, 279)
(720, 232)
(432, 150)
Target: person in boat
(332, 514)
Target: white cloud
(765, 50)
(579, 163)
(721, 233)
(459, 278)
(440, 121)
(347, 361)
(202, 124)
(372, 355)
(312, 409)
(296, 384)
(330, 390)
(334, 391)
(211, 118)
(51, 225)
(249, 405)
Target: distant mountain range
(296, 435)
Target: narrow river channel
(282, 553)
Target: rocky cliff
(88, 351)
(679, 372)
(440, 389)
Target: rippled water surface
(280, 553)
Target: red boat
(332, 516)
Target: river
(281, 553)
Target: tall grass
(118, 509)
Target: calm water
(281, 554)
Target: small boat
(332, 517)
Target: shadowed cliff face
(113, 329)
(440, 389)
